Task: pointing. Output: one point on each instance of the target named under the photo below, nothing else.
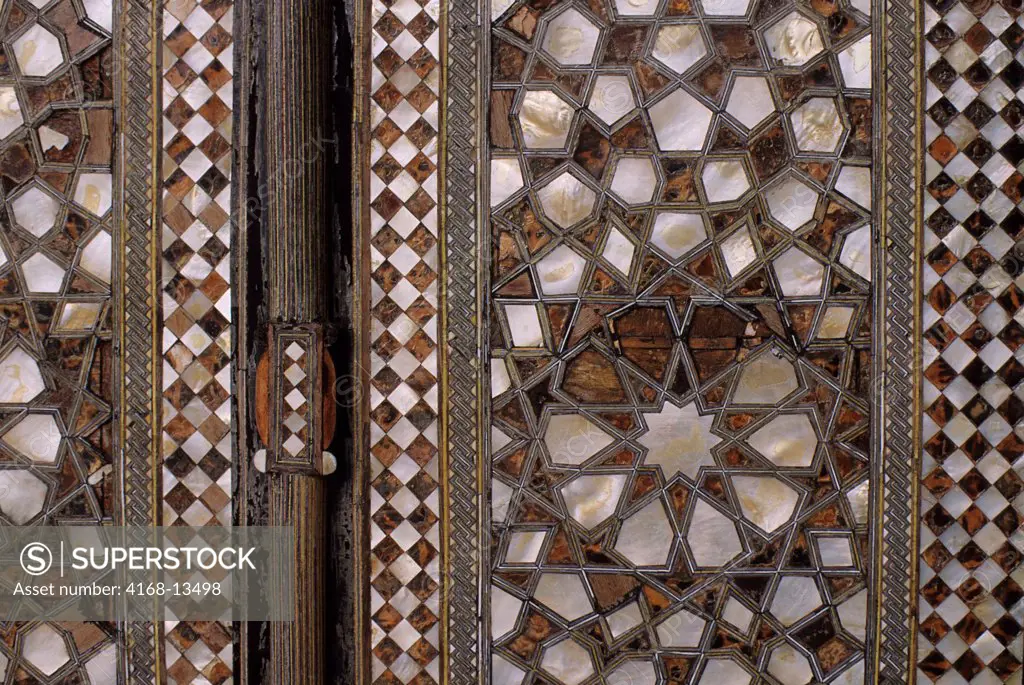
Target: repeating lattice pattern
(681, 342)
(971, 507)
(295, 390)
(198, 49)
(404, 499)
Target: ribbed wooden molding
(298, 81)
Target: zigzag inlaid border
(897, 75)
(466, 249)
(137, 269)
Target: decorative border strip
(969, 444)
(136, 267)
(198, 313)
(899, 209)
(463, 317)
(400, 541)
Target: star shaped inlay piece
(679, 440)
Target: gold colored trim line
(156, 362)
(154, 261)
(442, 345)
(483, 209)
(362, 325)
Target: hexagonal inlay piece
(545, 118)
(635, 180)
(571, 38)
(591, 499)
(794, 40)
(788, 440)
(37, 437)
(566, 200)
(38, 52)
(573, 438)
(766, 501)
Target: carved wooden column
(294, 371)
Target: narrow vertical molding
(898, 36)
(136, 297)
(298, 59)
(362, 323)
(464, 378)
(298, 81)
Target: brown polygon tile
(387, 550)
(182, 672)
(216, 40)
(215, 111)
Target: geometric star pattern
(680, 340)
(57, 152)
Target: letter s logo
(36, 559)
